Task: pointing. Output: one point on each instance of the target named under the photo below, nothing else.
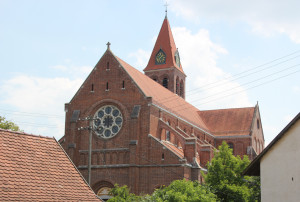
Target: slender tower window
(163, 156)
(181, 88)
(92, 87)
(168, 133)
(123, 85)
(107, 66)
(107, 86)
(177, 86)
(165, 82)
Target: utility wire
(249, 70)
(33, 114)
(242, 90)
(247, 83)
(233, 78)
(216, 94)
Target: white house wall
(280, 168)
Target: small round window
(108, 121)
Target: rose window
(108, 121)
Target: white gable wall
(280, 168)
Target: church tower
(164, 64)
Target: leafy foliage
(223, 182)
(4, 124)
(183, 190)
(225, 179)
(178, 190)
(122, 194)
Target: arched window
(103, 188)
(107, 66)
(92, 87)
(258, 125)
(107, 86)
(254, 146)
(165, 82)
(181, 88)
(230, 145)
(123, 85)
(168, 133)
(154, 78)
(177, 86)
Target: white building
(278, 165)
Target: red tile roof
(228, 121)
(164, 98)
(35, 168)
(173, 148)
(165, 41)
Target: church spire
(164, 54)
(164, 64)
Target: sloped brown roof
(163, 97)
(164, 41)
(224, 122)
(35, 168)
(173, 148)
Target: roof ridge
(158, 93)
(75, 167)
(233, 108)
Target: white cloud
(141, 56)
(199, 57)
(296, 89)
(75, 71)
(288, 118)
(266, 17)
(43, 101)
(270, 132)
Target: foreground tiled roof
(163, 97)
(35, 168)
(228, 121)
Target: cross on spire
(166, 5)
(108, 45)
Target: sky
(234, 53)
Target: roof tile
(163, 97)
(228, 121)
(35, 168)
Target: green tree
(4, 124)
(122, 194)
(224, 177)
(183, 190)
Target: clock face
(160, 57)
(108, 121)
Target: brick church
(144, 134)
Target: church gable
(107, 79)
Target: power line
(232, 78)
(33, 114)
(247, 83)
(245, 89)
(37, 124)
(249, 70)
(180, 106)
